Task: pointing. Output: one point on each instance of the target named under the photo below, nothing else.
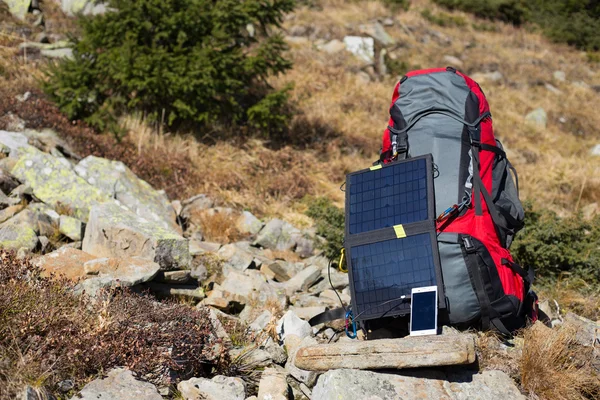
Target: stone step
(408, 352)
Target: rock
(552, 89)
(330, 295)
(559, 76)
(248, 223)
(85, 7)
(14, 141)
(275, 271)
(177, 207)
(114, 231)
(198, 271)
(52, 182)
(353, 384)
(197, 247)
(306, 313)
(18, 8)
(333, 47)
(17, 233)
(44, 242)
(277, 353)
(452, 61)
(165, 290)
(194, 205)
(590, 211)
(303, 280)
(290, 324)
(587, 332)
(128, 271)
(7, 182)
(377, 32)
(240, 287)
(595, 150)
(305, 246)
(537, 118)
(71, 227)
(65, 52)
(174, 276)
(388, 22)
(235, 257)
(218, 388)
(261, 322)
(292, 345)
(362, 47)
(408, 352)
(118, 384)
(116, 180)
(9, 212)
(338, 279)
(278, 235)
(273, 385)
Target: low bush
(559, 247)
(329, 221)
(49, 335)
(443, 19)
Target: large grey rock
(278, 235)
(18, 8)
(14, 141)
(119, 384)
(114, 231)
(587, 331)
(18, 233)
(71, 227)
(362, 47)
(65, 261)
(408, 352)
(278, 271)
(235, 257)
(127, 271)
(53, 182)
(86, 7)
(195, 205)
(273, 385)
(248, 223)
(116, 180)
(354, 384)
(218, 388)
(292, 345)
(537, 118)
(291, 324)
(377, 32)
(303, 280)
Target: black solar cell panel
(384, 271)
(388, 196)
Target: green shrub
(576, 22)
(329, 221)
(177, 61)
(397, 5)
(558, 247)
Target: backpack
(445, 113)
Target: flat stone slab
(434, 385)
(408, 352)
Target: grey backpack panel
(463, 305)
(444, 92)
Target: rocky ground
(94, 221)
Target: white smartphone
(423, 311)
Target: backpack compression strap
(326, 316)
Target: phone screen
(423, 311)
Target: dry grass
(555, 367)
(573, 295)
(219, 227)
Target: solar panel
(388, 196)
(384, 271)
(391, 237)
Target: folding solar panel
(391, 237)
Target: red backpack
(445, 113)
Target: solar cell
(388, 196)
(384, 271)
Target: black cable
(335, 291)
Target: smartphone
(423, 311)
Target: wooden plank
(408, 352)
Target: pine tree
(177, 61)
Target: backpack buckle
(468, 243)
